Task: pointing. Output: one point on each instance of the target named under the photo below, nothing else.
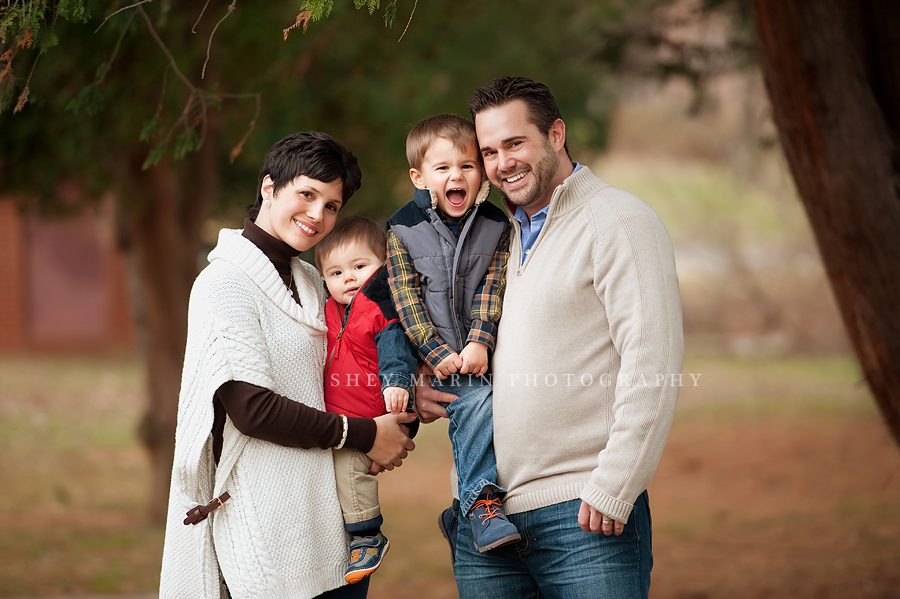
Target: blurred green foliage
(108, 90)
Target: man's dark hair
(541, 106)
(311, 154)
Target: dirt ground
(778, 480)
(766, 507)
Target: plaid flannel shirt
(407, 296)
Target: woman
(253, 467)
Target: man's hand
(392, 444)
(474, 358)
(396, 399)
(590, 520)
(448, 366)
(427, 397)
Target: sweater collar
(276, 250)
(575, 190)
(236, 249)
(570, 193)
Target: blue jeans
(556, 559)
(472, 435)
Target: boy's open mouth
(456, 197)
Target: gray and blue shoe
(366, 554)
(490, 527)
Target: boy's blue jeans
(472, 434)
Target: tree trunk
(169, 204)
(832, 70)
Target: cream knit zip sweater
(281, 534)
(590, 337)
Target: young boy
(369, 371)
(447, 253)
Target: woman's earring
(269, 203)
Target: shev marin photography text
(568, 379)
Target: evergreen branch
(302, 20)
(318, 8)
(8, 70)
(23, 98)
(231, 9)
(120, 10)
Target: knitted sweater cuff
(605, 504)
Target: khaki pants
(357, 489)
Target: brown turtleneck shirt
(262, 413)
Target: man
(586, 368)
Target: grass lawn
(778, 480)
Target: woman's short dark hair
(540, 103)
(312, 154)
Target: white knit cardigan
(281, 534)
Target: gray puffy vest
(450, 269)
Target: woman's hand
(392, 444)
(427, 397)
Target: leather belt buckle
(202, 512)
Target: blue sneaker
(490, 527)
(366, 554)
(449, 525)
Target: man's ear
(416, 177)
(557, 134)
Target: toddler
(368, 372)
(447, 254)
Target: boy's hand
(448, 366)
(396, 399)
(474, 358)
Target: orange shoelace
(490, 506)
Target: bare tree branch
(165, 50)
(162, 92)
(115, 51)
(120, 10)
(197, 22)
(408, 22)
(231, 9)
(237, 149)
